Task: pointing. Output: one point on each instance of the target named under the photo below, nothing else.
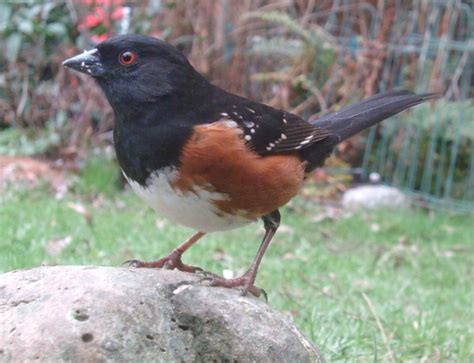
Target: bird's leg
(173, 260)
(246, 281)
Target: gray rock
(374, 196)
(105, 314)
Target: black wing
(268, 131)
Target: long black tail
(355, 118)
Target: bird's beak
(88, 62)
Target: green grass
(415, 268)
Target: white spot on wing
(230, 123)
(237, 115)
(253, 111)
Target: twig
(307, 13)
(24, 96)
(320, 98)
(380, 326)
(304, 105)
(454, 87)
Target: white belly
(192, 209)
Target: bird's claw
(170, 262)
(206, 275)
(132, 263)
(244, 282)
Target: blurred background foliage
(305, 56)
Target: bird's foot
(245, 282)
(170, 262)
(206, 275)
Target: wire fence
(428, 152)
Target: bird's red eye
(127, 58)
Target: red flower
(99, 17)
(94, 19)
(117, 13)
(97, 38)
(102, 2)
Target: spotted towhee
(206, 158)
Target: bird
(208, 159)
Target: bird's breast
(220, 184)
(196, 208)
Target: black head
(136, 69)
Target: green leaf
(13, 47)
(46, 9)
(5, 12)
(25, 26)
(57, 29)
(34, 10)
